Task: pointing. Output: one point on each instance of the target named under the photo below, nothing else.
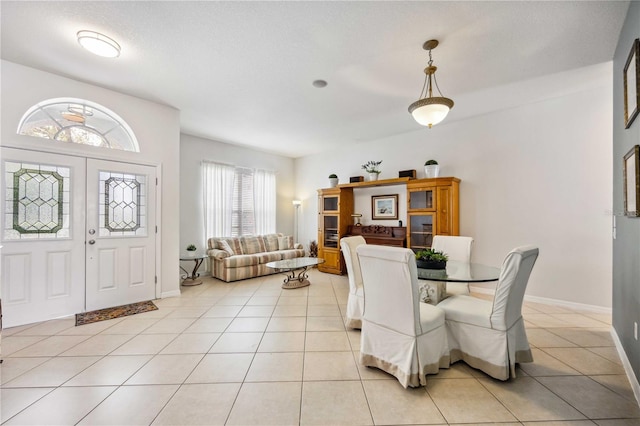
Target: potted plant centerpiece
(191, 249)
(431, 259)
(431, 169)
(373, 168)
(333, 180)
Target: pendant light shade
(429, 109)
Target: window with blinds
(242, 216)
(238, 201)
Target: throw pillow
(224, 245)
(271, 242)
(283, 243)
(251, 245)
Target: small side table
(192, 278)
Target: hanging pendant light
(429, 109)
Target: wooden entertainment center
(432, 209)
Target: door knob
(92, 241)
(92, 231)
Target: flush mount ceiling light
(428, 109)
(98, 44)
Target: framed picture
(631, 78)
(631, 168)
(384, 207)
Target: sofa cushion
(252, 245)
(271, 242)
(270, 256)
(285, 243)
(241, 260)
(293, 253)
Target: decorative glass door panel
(330, 203)
(122, 210)
(331, 231)
(421, 231)
(421, 200)
(37, 201)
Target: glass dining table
(461, 272)
(433, 282)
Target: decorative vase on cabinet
(431, 169)
(373, 176)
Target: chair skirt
(407, 358)
(355, 309)
(496, 352)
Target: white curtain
(264, 201)
(218, 182)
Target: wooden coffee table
(289, 268)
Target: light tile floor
(251, 353)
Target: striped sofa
(239, 258)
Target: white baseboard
(173, 293)
(554, 302)
(633, 380)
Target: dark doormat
(116, 312)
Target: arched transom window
(78, 121)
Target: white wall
(157, 128)
(538, 172)
(193, 150)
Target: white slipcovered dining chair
(490, 335)
(458, 249)
(355, 302)
(400, 335)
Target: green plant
(333, 176)
(191, 247)
(372, 166)
(431, 254)
(431, 163)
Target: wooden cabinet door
(443, 201)
(331, 261)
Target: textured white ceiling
(241, 72)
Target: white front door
(120, 233)
(78, 234)
(43, 255)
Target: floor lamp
(297, 204)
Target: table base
(191, 279)
(292, 281)
(432, 292)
